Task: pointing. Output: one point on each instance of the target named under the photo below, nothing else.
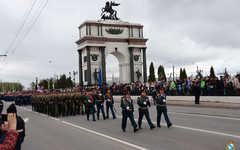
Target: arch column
(103, 65)
(131, 64)
(89, 74)
(144, 65)
(80, 67)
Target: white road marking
(26, 120)
(207, 131)
(208, 116)
(55, 119)
(42, 114)
(203, 115)
(106, 136)
(195, 129)
(138, 147)
(91, 131)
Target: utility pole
(173, 68)
(74, 73)
(36, 83)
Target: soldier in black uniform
(197, 92)
(162, 108)
(109, 103)
(100, 103)
(127, 112)
(90, 101)
(143, 103)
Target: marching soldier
(100, 102)
(90, 101)
(162, 108)
(59, 100)
(127, 111)
(68, 102)
(72, 104)
(143, 103)
(82, 102)
(77, 103)
(55, 105)
(64, 104)
(109, 103)
(47, 104)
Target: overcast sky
(183, 33)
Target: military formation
(19, 98)
(88, 102)
(59, 104)
(91, 102)
(143, 103)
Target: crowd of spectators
(209, 87)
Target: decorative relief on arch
(94, 57)
(136, 57)
(114, 31)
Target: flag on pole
(39, 89)
(99, 77)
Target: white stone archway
(121, 60)
(124, 40)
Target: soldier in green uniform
(143, 103)
(55, 105)
(42, 100)
(83, 104)
(59, 99)
(100, 103)
(162, 108)
(72, 104)
(109, 103)
(49, 104)
(33, 102)
(68, 102)
(64, 104)
(77, 103)
(127, 111)
(90, 101)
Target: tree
(62, 82)
(238, 74)
(44, 83)
(69, 82)
(181, 74)
(184, 74)
(11, 87)
(226, 73)
(51, 84)
(212, 73)
(32, 85)
(151, 73)
(161, 73)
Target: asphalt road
(193, 128)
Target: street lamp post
(36, 83)
(173, 68)
(74, 73)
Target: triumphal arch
(111, 35)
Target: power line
(37, 14)
(21, 25)
(15, 48)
